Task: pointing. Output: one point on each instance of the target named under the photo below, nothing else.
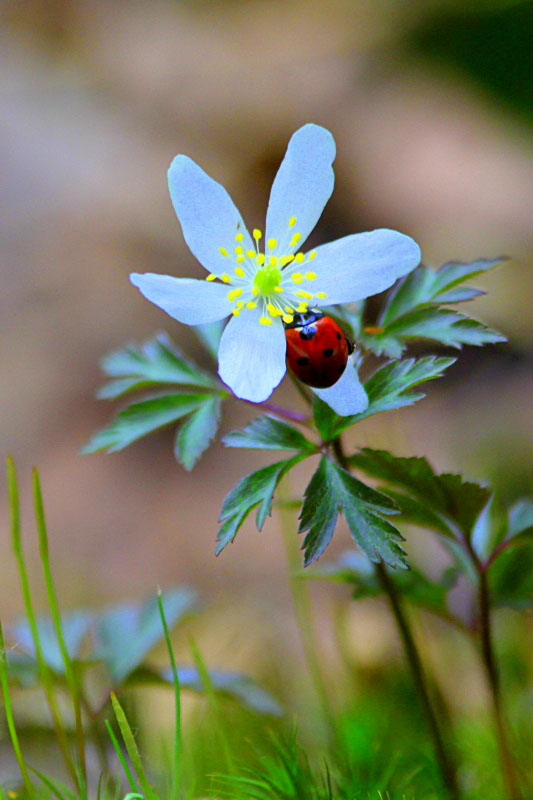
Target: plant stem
(413, 658)
(9, 717)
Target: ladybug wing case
(317, 353)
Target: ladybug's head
(301, 320)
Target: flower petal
(362, 264)
(208, 216)
(187, 300)
(302, 187)
(347, 396)
(251, 356)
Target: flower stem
(413, 657)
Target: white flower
(261, 281)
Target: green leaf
(269, 433)
(125, 634)
(142, 418)
(511, 578)
(75, 629)
(332, 488)
(234, 685)
(457, 501)
(520, 519)
(390, 386)
(326, 420)
(255, 489)
(157, 361)
(197, 432)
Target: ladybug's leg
(351, 346)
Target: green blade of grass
(45, 674)
(131, 747)
(9, 717)
(177, 704)
(72, 680)
(125, 766)
(58, 789)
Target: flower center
(266, 279)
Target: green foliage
(159, 364)
(269, 433)
(255, 489)
(413, 310)
(332, 488)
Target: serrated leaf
(142, 418)
(157, 361)
(255, 489)
(234, 685)
(326, 420)
(197, 433)
(332, 488)
(125, 634)
(390, 386)
(75, 627)
(459, 502)
(269, 433)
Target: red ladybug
(317, 349)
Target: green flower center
(266, 279)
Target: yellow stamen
(272, 243)
(265, 321)
(302, 308)
(225, 277)
(239, 237)
(299, 257)
(257, 234)
(240, 272)
(292, 222)
(290, 258)
(273, 261)
(322, 295)
(278, 289)
(255, 291)
(240, 304)
(250, 253)
(231, 295)
(311, 255)
(289, 309)
(251, 304)
(310, 276)
(240, 259)
(273, 310)
(236, 312)
(284, 260)
(295, 239)
(303, 293)
(211, 277)
(239, 250)
(288, 318)
(260, 258)
(223, 251)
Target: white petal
(187, 300)
(251, 356)
(347, 396)
(208, 216)
(302, 187)
(362, 264)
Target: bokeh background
(430, 104)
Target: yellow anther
(265, 321)
(302, 308)
(250, 253)
(303, 293)
(288, 318)
(240, 272)
(272, 310)
(236, 312)
(260, 258)
(290, 258)
(240, 259)
(284, 260)
(238, 292)
(299, 257)
(297, 280)
(251, 304)
(255, 291)
(322, 295)
(239, 237)
(240, 304)
(311, 255)
(223, 251)
(292, 222)
(239, 250)
(225, 277)
(289, 309)
(272, 243)
(278, 289)
(257, 234)
(231, 295)
(295, 239)
(310, 276)
(273, 261)
(296, 276)
(211, 277)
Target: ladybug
(317, 349)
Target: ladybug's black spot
(308, 332)
(339, 336)
(303, 362)
(328, 352)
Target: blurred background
(430, 104)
